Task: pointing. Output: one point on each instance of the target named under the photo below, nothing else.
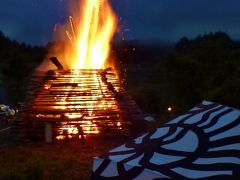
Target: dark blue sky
(33, 21)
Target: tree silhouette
(207, 67)
(17, 62)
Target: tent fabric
(203, 143)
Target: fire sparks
(91, 30)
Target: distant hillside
(17, 62)
(207, 67)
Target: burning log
(104, 79)
(56, 62)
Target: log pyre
(76, 104)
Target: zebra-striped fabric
(200, 144)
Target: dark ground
(62, 160)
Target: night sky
(33, 21)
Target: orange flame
(92, 28)
(89, 31)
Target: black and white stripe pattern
(201, 144)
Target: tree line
(204, 68)
(158, 77)
(17, 63)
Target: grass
(61, 160)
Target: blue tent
(203, 143)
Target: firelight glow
(92, 29)
(89, 33)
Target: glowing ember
(92, 28)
